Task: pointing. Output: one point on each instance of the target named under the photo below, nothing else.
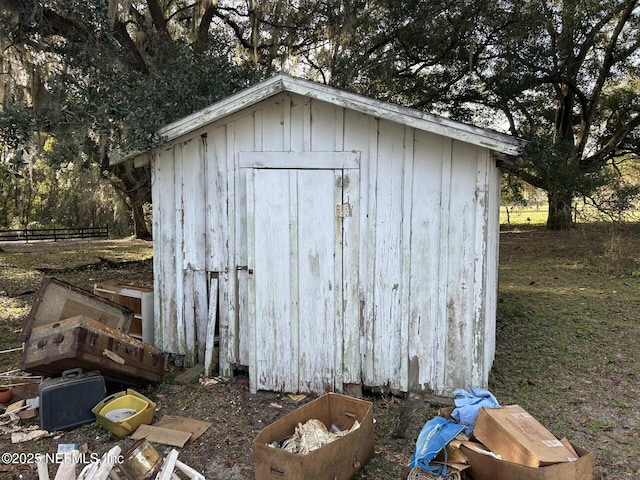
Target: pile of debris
(481, 440)
(71, 328)
(75, 343)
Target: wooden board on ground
(196, 427)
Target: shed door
(295, 278)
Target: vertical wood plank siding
(417, 276)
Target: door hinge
(343, 210)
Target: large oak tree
(561, 73)
(96, 76)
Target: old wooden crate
(57, 300)
(138, 299)
(81, 342)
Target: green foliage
(563, 74)
(102, 76)
(65, 196)
(106, 75)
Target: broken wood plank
(43, 471)
(67, 469)
(168, 466)
(190, 472)
(211, 327)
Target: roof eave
(493, 140)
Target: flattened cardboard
(339, 460)
(485, 467)
(454, 456)
(161, 435)
(518, 437)
(184, 424)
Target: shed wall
(419, 289)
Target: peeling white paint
(400, 293)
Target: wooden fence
(55, 234)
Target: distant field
(537, 216)
(523, 215)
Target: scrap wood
(43, 472)
(16, 409)
(190, 472)
(297, 397)
(19, 437)
(67, 468)
(10, 350)
(211, 328)
(103, 469)
(184, 424)
(165, 436)
(169, 465)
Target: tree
(561, 73)
(580, 55)
(105, 75)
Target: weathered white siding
(416, 276)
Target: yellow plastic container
(123, 412)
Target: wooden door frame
(348, 163)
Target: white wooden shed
(337, 240)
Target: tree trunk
(135, 183)
(560, 215)
(139, 222)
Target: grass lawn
(568, 336)
(568, 332)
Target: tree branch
(157, 16)
(604, 74)
(125, 40)
(609, 149)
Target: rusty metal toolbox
(85, 343)
(66, 402)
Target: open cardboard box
(485, 467)
(519, 438)
(339, 460)
(528, 450)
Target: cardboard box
(519, 438)
(485, 467)
(339, 460)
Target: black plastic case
(66, 402)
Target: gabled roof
(498, 142)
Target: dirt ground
(224, 451)
(593, 413)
